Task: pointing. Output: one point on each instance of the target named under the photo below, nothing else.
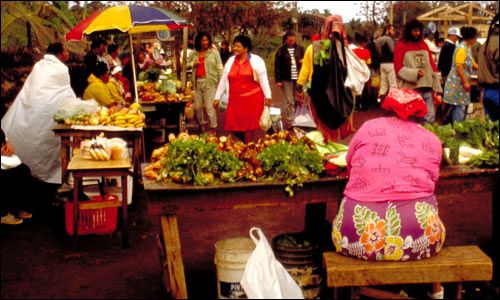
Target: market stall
(226, 201)
(158, 90)
(237, 207)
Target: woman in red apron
(245, 78)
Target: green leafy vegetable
(196, 161)
(293, 164)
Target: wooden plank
(77, 162)
(452, 264)
(175, 266)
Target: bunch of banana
(99, 152)
(83, 119)
(127, 117)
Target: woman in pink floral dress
(389, 211)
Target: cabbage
(329, 148)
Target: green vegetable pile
(293, 164)
(483, 135)
(195, 161)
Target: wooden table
(133, 136)
(464, 196)
(81, 167)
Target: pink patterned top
(392, 159)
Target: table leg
(136, 157)
(76, 187)
(65, 140)
(124, 212)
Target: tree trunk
(28, 35)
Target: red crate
(96, 216)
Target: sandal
(10, 219)
(24, 215)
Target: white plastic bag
(224, 99)
(358, 72)
(265, 121)
(74, 106)
(303, 117)
(264, 276)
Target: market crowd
(406, 71)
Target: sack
(264, 277)
(303, 117)
(332, 100)
(265, 121)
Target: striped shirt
(293, 64)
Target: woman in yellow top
(97, 88)
(116, 88)
(457, 86)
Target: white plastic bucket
(231, 256)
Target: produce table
(71, 137)
(171, 112)
(464, 195)
(81, 167)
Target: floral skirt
(389, 230)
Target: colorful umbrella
(131, 19)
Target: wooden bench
(453, 264)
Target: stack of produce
(279, 157)
(473, 142)
(101, 148)
(121, 116)
(83, 119)
(95, 149)
(162, 86)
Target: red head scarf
(334, 23)
(405, 103)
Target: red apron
(246, 99)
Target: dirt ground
(38, 259)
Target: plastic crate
(96, 216)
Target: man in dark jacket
(287, 64)
(446, 55)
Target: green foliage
(483, 135)
(293, 164)
(363, 216)
(196, 161)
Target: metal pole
(184, 57)
(133, 68)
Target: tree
(374, 11)
(34, 23)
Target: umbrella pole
(184, 58)
(133, 68)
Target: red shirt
(363, 54)
(200, 68)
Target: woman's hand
(268, 101)
(216, 103)
(466, 86)
(420, 73)
(7, 149)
